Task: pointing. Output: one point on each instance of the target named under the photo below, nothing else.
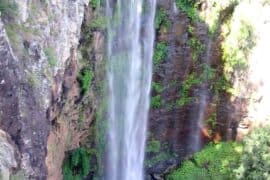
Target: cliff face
(39, 53)
(190, 102)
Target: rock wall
(39, 69)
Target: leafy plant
(239, 41)
(215, 161)
(157, 87)
(156, 101)
(95, 3)
(197, 47)
(160, 52)
(161, 19)
(255, 162)
(191, 81)
(85, 79)
(77, 165)
(189, 7)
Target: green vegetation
(161, 19)
(77, 165)
(32, 79)
(159, 157)
(255, 162)
(153, 146)
(208, 73)
(239, 41)
(8, 8)
(95, 3)
(212, 122)
(217, 8)
(18, 175)
(100, 130)
(191, 81)
(98, 23)
(189, 7)
(157, 87)
(156, 153)
(160, 52)
(12, 33)
(51, 56)
(156, 102)
(215, 161)
(85, 78)
(197, 47)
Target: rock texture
(7, 156)
(39, 51)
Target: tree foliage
(215, 161)
(255, 162)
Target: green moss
(51, 56)
(85, 78)
(160, 52)
(215, 161)
(153, 146)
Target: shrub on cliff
(215, 161)
(189, 7)
(255, 162)
(76, 165)
(85, 79)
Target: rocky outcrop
(39, 51)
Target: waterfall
(130, 49)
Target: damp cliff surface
(197, 68)
(39, 85)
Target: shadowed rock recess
(210, 83)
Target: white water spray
(130, 51)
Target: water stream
(130, 49)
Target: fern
(76, 166)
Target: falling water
(130, 50)
(197, 126)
